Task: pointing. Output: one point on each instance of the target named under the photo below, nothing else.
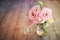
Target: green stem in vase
(44, 28)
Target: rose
(44, 15)
(47, 13)
(32, 14)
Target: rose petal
(47, 13)
(33, 13)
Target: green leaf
(41, 4)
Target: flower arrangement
(41, 16)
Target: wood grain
(13, 20)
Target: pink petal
(33, 13)
(47, 13)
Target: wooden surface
(13, 20)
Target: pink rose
(33, 13)
(40, 18)
(45, 14)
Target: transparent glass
(30, 30)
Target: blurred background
(13, 20)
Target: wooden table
(13, 20)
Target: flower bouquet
(41, 16)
